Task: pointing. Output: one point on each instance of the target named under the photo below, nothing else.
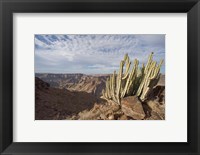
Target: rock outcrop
(132, 107)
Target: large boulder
(132, 107)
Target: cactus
(130, 80)
(137, 81)
(150, 79)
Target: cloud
(93, 54)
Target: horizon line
(80, 73)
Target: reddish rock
(132, 107)
(123, 117)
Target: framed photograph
(99, 77)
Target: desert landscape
(80, 97)
(100, 77)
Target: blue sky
(94, 53)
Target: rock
(102, 116)
(111, 117)
(132, 107)
(151, 104)
(157, 110)
(158, 93)
(123, 117)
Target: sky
(94, 53)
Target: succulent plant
(135, 81)
(150, 79)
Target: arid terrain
(77, 97)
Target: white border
(173, 129)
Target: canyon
(78, 97)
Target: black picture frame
(8, 7)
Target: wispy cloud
(94, 54)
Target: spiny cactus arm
(104, 94)
(125, 56)
(130, 79)
(108, 89)
(113, 87)
(156, 70)
(158, 67)
(152, 70)
(148, 63)
(151, 79)
(139, 91)
(128, 64)
(134, 69)
(150, 83)
(150, 74)
(137, 82)
(144, 94)
(119, 82)
(132, 85)
(145, 89)
(145, 78)
(110, 83)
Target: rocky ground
(77, 97)
(131, 109)
(53, 103)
